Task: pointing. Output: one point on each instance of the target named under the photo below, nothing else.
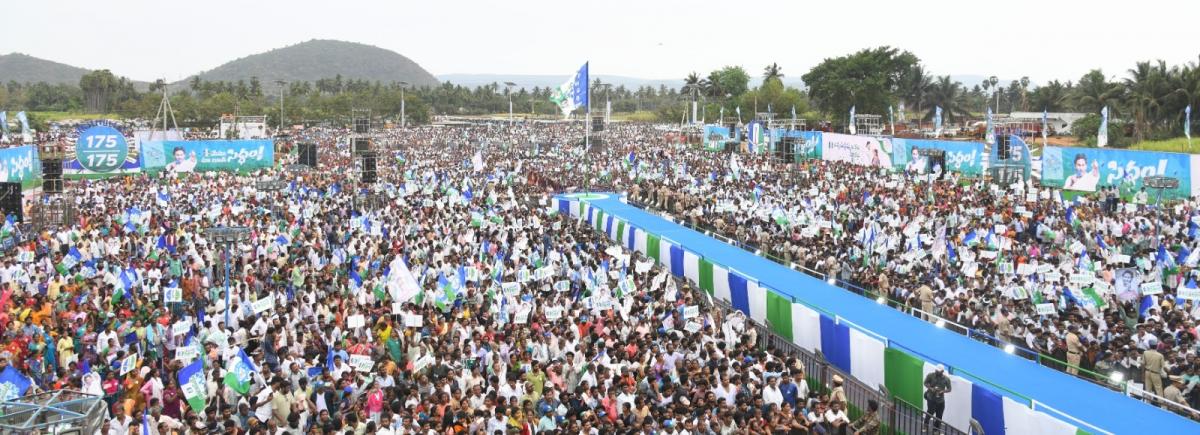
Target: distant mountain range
(23, 68)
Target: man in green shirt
(537, 379)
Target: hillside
(23, 68)
(319, 59)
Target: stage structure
(868, 124)
(61, 412)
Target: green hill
(320, 59)
(23, 68)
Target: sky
(653, 39)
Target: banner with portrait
(859, 150)
(1086, 169)
(207, 155)
(962, 157)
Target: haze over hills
(319, 59)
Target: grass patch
(1175, 145)
(60, 116)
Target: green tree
(772, 72)
(869, 79)
(1085, 130)
(946, 94)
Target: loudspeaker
(52, 185)
(52, 168)
(733, 130)
(362, 126)
(361, 145)
(307, 153)
(10, 200)
(1002, 147)
(597, 123)
(368, 167)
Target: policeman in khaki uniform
(1074, 350)
(1152, 366)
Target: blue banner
(810, 147)
(1086, 169)
(20, 165)
(715, 137)
(962, 157)
(207, 155)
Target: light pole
(403, 118)
(508, 92)
(993, 80)
(280, 83)
(271, 186)
(226, 237)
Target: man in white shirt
(771, 394)
(836, 418)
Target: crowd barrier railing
(895, 415)
(978, 335)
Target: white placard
(1026, 269)
(691, 311)
(510, 288)
(356, 321)
(987, 255)
(1151, 288)
(562, 286)
(554, 313)
(361, 363)
(1054, 276)
(181, 327)
(413, 321)
(1190, 294)
(1082, 278)
(397, 308)
(172, 295)
(1001, 229)
(128, 364)
(1045, 309)
(264, 304)
(692, 327)
(1120, 258)
(186, 353)
(1044, 268)
(217, 337)
(521, 318)
(969, 268)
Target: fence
(981, 336)
(895, 415)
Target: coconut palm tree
(1145, 92)
(1024, 90)
(915, 86)
(1052, 97)
(772, 71)
(945, 93)
(691, 84)
(1093, 93)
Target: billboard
(859, 150)
(715, 137)
(207, 155)
(962, 157)
(20, 165)
(100, 150)
(1086, 169)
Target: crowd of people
(447, 297)
(1094, 285)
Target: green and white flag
(239, 372)
(192, 382)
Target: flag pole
(587, 129)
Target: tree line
(1146, 101)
